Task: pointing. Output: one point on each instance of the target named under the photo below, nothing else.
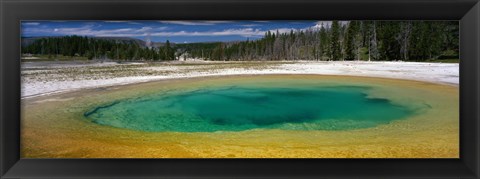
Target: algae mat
(83, 124)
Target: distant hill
(29, 40)
(160, 44)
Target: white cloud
(324, 24)
(144, 29)
(195, 22)
(344, 22)
(282, 30)
(246, 32)
(161, 28)
(31, 23)
(249, 25)
(88, 30)
(327, 24)
(91, 30)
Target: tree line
(94, 48)
(351, 40)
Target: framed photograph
(240, 89)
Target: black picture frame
(13, 11)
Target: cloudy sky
(160, 31)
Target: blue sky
(160, 31)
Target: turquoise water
(236, 108)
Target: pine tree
(169, 52)
(335, 41)
(350, 41)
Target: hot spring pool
(257, 116)
(245, 107)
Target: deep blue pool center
(239, 108)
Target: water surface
(236, 108)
